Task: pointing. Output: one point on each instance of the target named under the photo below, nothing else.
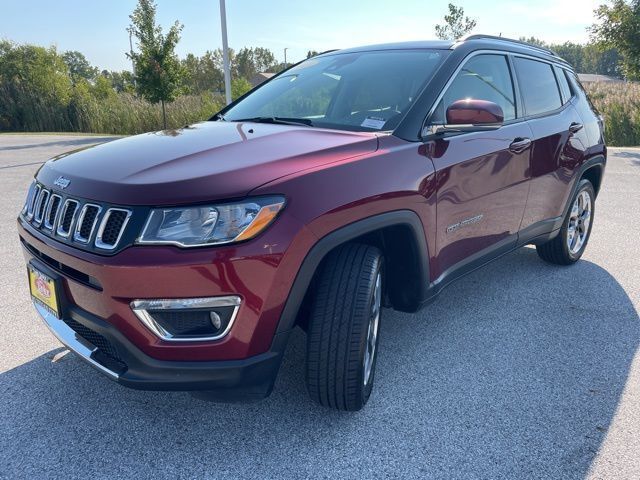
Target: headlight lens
(210, 225)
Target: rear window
(538, 84)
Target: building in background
(258, 78)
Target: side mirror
(474, 112)
(470, 115)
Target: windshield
(361, 91)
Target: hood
(200, 163)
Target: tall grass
(126, 114)
(112, 113)
(619, 103)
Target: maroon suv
(361, 178)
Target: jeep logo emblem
(62, 182)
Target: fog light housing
(188, 320)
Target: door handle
(575, 127)
(519, 145)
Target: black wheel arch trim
(597, 161)
(343, 235)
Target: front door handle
(575, 127)
(520, 144)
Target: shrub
(619, 103)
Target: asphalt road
(519, 370)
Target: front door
(482, 177)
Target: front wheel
(569, 245)
(342, 339)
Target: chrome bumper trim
(72, 340)
(140, 309)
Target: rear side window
(538, 85)
(564, 85)
(483, 77)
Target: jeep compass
(358, 179)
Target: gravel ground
(519, 370)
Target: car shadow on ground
(514, 372)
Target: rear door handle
(575, 127)
(519, 145)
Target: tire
(566, 249)
(344, 322)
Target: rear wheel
(344, 325)
(569, 245)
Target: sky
(97, 28)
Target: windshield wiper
(279, 120)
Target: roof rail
(510, 40)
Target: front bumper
(121, 361)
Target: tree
(157, 70)
(239, 86)
(311, 53)
(456, 24)
(618, 27)
(249, 61)
(79, 66)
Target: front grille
(108, 355)
(87, 225)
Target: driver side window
(483, 77)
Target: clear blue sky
(97, 27)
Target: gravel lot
(519, 370)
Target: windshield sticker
(373, 122)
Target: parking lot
(519, 370)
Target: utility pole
(133, 65)
(285, 57)
(225, 53)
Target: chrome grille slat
(51, 214)
(41, 206)
(105, 227)
(88, 218)
(62, 230)
(32, 202)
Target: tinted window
(354, 91)
(483, 77)
(538, 86)
(564, 85)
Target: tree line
(42, 89)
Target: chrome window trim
(140, 309)
(76, 233)
(47, 213)
(519, 117)
(59, 230)
(37, 219)
(98, 242)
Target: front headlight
(210, 225)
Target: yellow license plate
(43, 290)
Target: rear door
(558, 141)
(481, 176)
